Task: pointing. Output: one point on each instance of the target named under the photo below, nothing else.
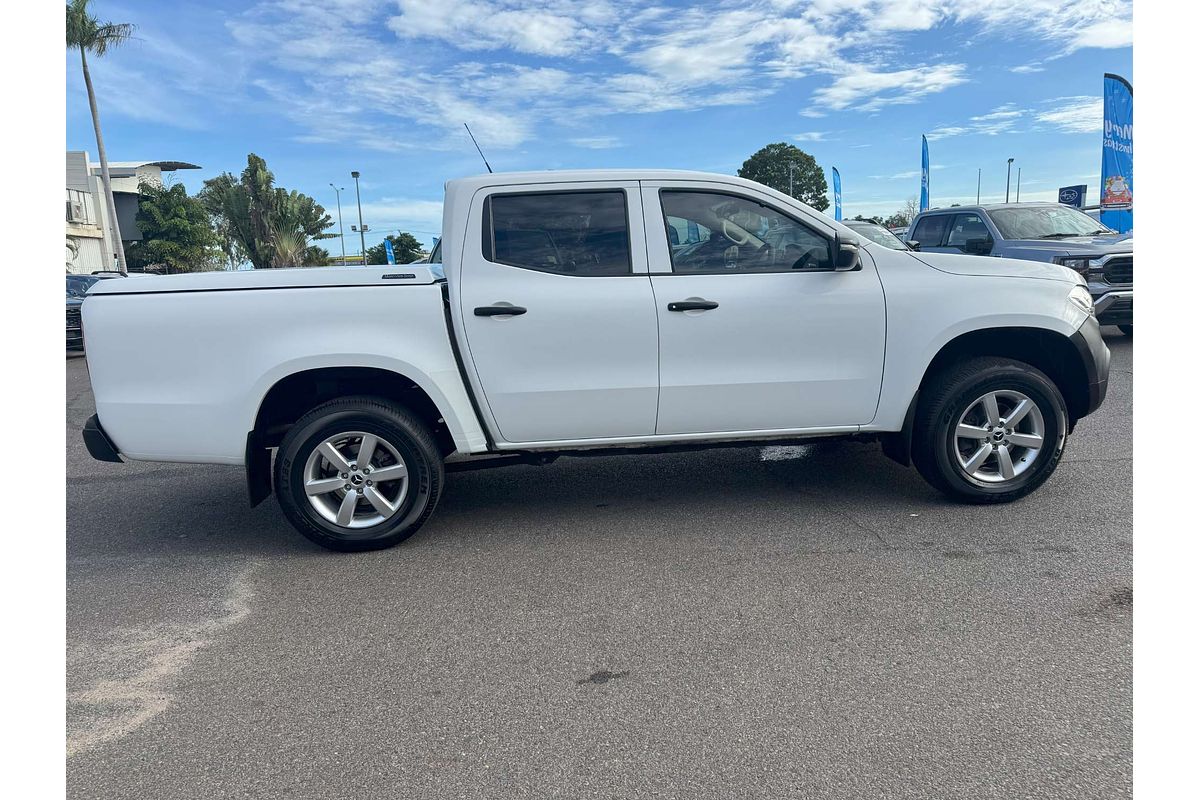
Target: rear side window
(569, 233)
(931, 231)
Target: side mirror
(914, 244)
(978, 247)
(845, 255)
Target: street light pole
(978, 183)
(362, 235)
(1018, 184)
(791, 169)
(1008, 180)
(341, 229)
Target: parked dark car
(74, 323)
(1051, 232)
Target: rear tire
(342, 504)
(1127, 329)
(989, 430)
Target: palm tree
(87, 33)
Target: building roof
(125, 169)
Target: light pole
(1008, 180)
(362, 231)
(1018, 184)
(791, 169)
(341, 229)
(978, 183)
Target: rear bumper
(98, 444)
(1095, 356)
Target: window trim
(487, 223)
(831, 243)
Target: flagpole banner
(837, 194)
(924, 174)
(391, 254)
(1116, 163)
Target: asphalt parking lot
(810, 622)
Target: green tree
(861, 218)
(88, 34)
(176, 233)
(264, 224)
(788, 169)
(405, 246)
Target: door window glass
(739, 235)
(965, 228)
(930, 231)
(570, 233)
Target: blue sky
(322, 87)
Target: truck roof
(990, 207)
(585, 175)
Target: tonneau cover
(291, 278)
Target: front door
(559, 314)
(756, 330)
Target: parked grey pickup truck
(1040, 232)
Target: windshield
(877, 234)
(1045, 222)
(78, 285)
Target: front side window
(965, 228)
(930, 231)
(738, 234)
(569, 233)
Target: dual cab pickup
(635, 311)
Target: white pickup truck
(635, 311)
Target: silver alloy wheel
(999, 436)
(355, 479)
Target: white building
(90, 243)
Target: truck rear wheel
(358, 473)
(989, 430)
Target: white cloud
(596, 142)
(1026, 69)
(1075, 114)
(869, 90)
(810, 136)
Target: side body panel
(180, 376)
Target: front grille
(74, 328)
(1119, 270)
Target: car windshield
(1045, 222)
(78, 285)
(877, 234)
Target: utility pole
(1018, 184)
(362, 231)
(1008, 180)
(341, 229)
(978, 183)
(791, 169)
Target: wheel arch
(1049, 351)
(293, 395)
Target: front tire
(358, 473)
(989, 430)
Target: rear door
(559, 314)
(930, 231)
(756, 330)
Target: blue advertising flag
(1116, 163)
(924, 174)
(391, 254)
(837, 194)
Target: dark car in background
(1051, 232)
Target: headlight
(1075, 263)
(1081, 297)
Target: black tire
(1127, 329)
(945, 399)
(393, 424)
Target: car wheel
(1127, 329)
(358, 473)
(989, 430)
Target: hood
(990, 267)
(1072, 246)
(296, 277)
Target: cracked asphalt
(811, 622)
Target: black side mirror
(845, 255)
(914, 244)
(978, 247)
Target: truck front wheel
(358, 473)
(989, 430)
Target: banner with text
(1116, 165)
